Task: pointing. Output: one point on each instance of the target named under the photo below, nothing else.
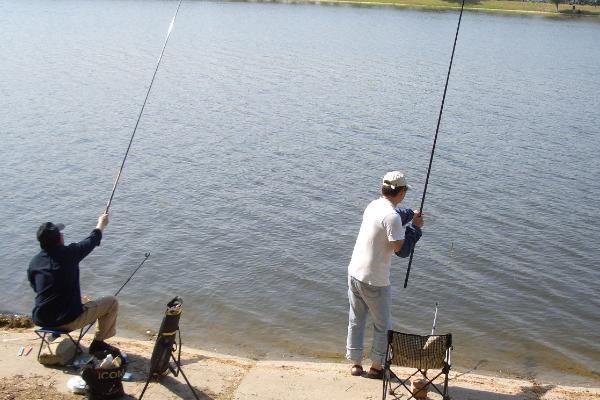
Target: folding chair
(422, 353)
(48, 335)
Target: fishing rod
(142, 110)
(136, 270)
(434, 319)
(437, 129)
(146, 256)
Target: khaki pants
(104, 310)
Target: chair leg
(43, 340)
(78, 349)
(78, 344)
(386, 380)
(40, 351)
(445, 394)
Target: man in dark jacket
(54, 276)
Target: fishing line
(121, 288)
(143, 106)
(437, 129)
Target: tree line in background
(594, 3)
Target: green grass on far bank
(478, 5)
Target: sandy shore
(221, 377)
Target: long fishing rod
(133, 273)
(143, 106)
(437, 129)
(434, 319)
(121, 288)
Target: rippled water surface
(266, 134)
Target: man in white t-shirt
(385, 230)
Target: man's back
(58, 297)
(54, 276)
(372, 253)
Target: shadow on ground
(526, 393)
(139, 366)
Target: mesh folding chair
(423, 353)
(48, 335)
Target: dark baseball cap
(49, 233)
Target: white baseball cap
(395, 179)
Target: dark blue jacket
(54, 276)
(412, 233)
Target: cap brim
(60, 227)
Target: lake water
(266, 134)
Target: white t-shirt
(372, 255)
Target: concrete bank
(221, 377)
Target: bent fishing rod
(142, 109)
(133, 273)
(121, 288)
(437, 130)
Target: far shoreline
(508, 7)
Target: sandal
(375, 373)
(356, 370)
